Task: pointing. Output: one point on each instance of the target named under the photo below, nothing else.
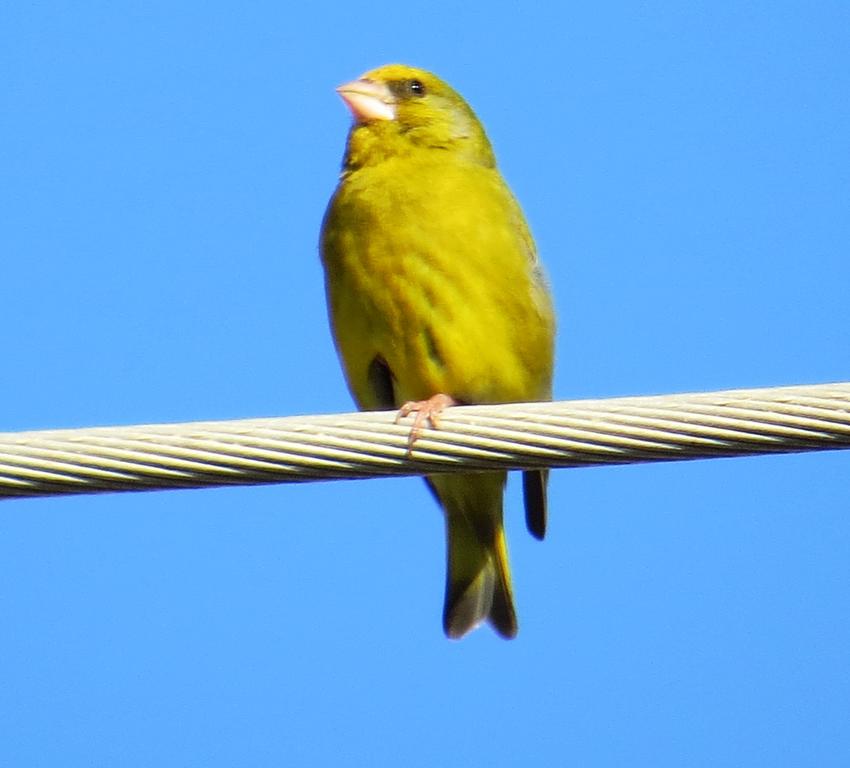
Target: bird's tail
(478, 578)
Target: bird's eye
(416, 87)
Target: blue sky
(685, 170)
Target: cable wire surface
(356, 445)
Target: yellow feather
(433, 286)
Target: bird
(436, 297)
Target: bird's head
(397, 109)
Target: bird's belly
(439, 331)
(445, 295)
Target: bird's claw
(426, 411)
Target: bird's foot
(426, 411)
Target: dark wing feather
(534, 494)
(381, 381)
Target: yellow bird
(436, 297)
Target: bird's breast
(427, 269)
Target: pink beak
(368, 100)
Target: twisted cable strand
(512, 436)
